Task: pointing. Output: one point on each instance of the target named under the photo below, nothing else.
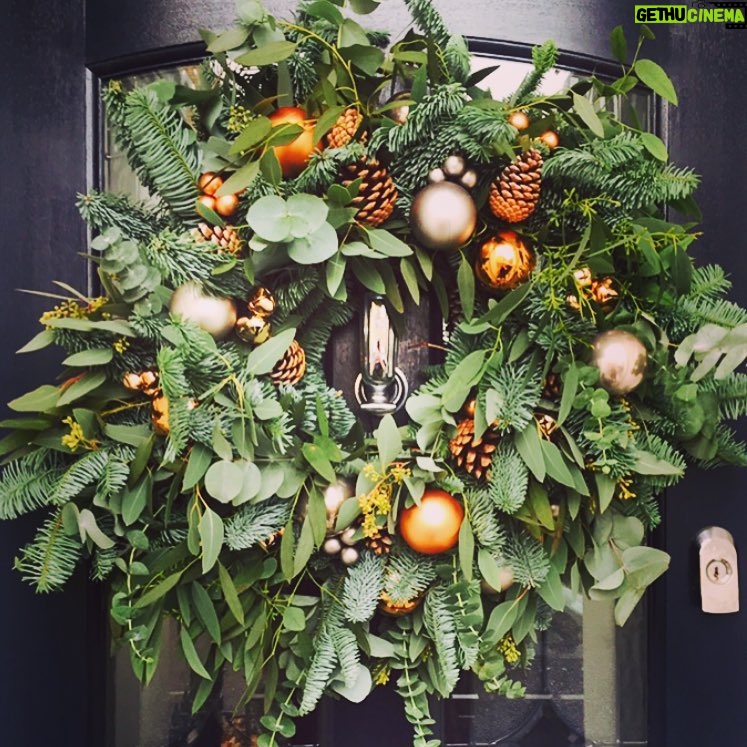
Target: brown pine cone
(226, 238)
(514, 196)
(291, 368)
(345, 128)
(380, 543)
(376, 193)
(474, 455)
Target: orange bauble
(294, 156)
(226, 205)
(550, 139)
(207, 200)
(209, 182)
(433, 526)
(519, 120)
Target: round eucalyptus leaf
(224, 480)
(313, 210)
(316, 247)
(268, 217)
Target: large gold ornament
(211, 313)
(504, 262)
(621, 360)
(334, 496)
(443, 216)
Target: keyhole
(718, 571)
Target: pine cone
(380, 543)
(291, 367)
(551, 387)
(514, 196)
(345, 128)
(474, 455)
(376, 194)
(226, 238)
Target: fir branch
(362, 588)
(730, 449)
(464, 602)
(167, 154)
(319, 671)
(28, 483)
(489, 531)
(509, 478)
(527, 559)
(49, 560)
(87, 470)
(511, 394)
(666, 452)
(103, 210)
(256, 522)
(544, 58)
(348, 653)
(314, 335)
(324, 167)
(103, 563)
(731, 393)
(407, 575)
(176, 390)
(439, 622)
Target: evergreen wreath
(195, 454)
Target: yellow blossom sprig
(72, 309)
(378, 501)
(76, 439)
(509, 649)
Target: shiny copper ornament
(443, 216)
(604, 293)
(547, 425)
(621, 359)
(334, 496)
(209, 183)
(398, 609)
(253, 329)
(550, 139)
(213, 314)
(145, 382)
(159, 415)
(504, 262)
(519, 120)
(262, 302)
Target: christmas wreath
(195, 454)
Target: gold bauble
(211, 313)
(334, 496)
(621, 360)
(262, 302)
(398, 609)
(145, 382)
(254, 329)
(332, 546)
(159, 415)
(504, 262)
(443, 216)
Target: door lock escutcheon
(719, 582)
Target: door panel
(48, 669)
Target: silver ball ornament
(348, 536)
(443, 216)
(211, 313)
(334, 496)
(332, 546)
(621, 359)
(469, 179)
(349, 555)
(454, 167)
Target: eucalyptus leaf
(224, 481)
(652, 75)
(264, 357)
(211, 532)
(267, 54)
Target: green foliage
(103, 210)
(166, 151)
(255, 523)
(509, 479)
(486, 525)
(28, 483)
(49, 560)
(439, 622)
(510, 395)
(527, 559)
(362, 588)
(407, 575)
(544, 57)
